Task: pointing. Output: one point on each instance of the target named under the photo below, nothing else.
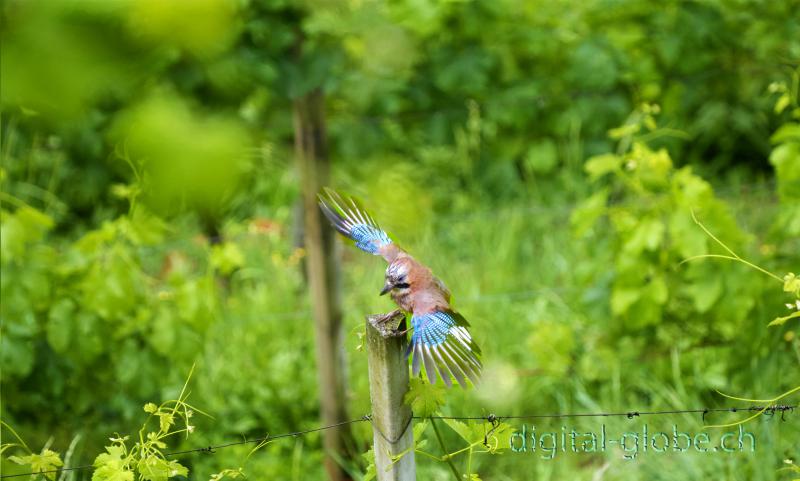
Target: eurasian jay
(440, 339)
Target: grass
(519, 276)
(537, 298)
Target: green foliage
(792, 467)
(552, 345)
(791, 284)
(47, 460)
(147, 217)
(92, 300)
(498, 439)
(227, 473)
(479, 438)
(189, 159)
(423, 397)
(785, 156)
(143, 460)
(651, 231)
(115, 306)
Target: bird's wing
(442, 342)
(353, 221)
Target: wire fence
(492, 419)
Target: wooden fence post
(392, 428)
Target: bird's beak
(386, 288)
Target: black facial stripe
(402, 285)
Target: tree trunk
(323, 277)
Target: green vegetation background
(542, 156)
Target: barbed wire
(493, 419)
(768, 410)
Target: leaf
(227, 257)
(420, 428)
(150, 408)
(36, 223)
(684, 235)
(462, 429)
(624, 131)
(164, 331)
(47, 460)
(165, 420)
(657, 290)
(783, 102)
(20, 229)
(704, 291)
(586, 214)
(156, 468)
(228, 473)
(648, 235)
(16, 355)
(601, 165)
(542, 157)
(372, 471)
(791, 283)
(59, 325)
(785, 133)
(499, 439)
(423, 397)
(786, 159)
(111, 465)
(779, 321)
(622, 298)
(496, 438)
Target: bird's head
(396, 279)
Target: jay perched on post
(440, 340)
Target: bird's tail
(353, 221)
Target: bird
(440, 339)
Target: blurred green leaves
(60, 58)
(551, 344)
(785, 157)
(202, 28)
(542, 157)
(190, 159)
(130, 126)
(645, 204)
(24, 227)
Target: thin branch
(733, 256)
(759, 413)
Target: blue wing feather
(442, 342)
(349, 218)
(369, 238)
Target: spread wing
(353, 221)
(442, 342)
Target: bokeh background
(543, 157)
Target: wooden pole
(323, 277)
(392, 428)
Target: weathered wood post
(392, 428)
